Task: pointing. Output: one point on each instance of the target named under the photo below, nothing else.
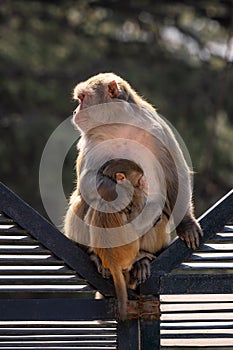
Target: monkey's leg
(154, 241)
(101, 269)
(75, 213)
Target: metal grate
(214, 257)
(29, 273)
(65, 335)
(201, 320)
(191, 321)
(27, 267)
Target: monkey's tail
(121, 291)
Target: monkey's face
(96, 90)
(88, 97)
(101, 89)
(137, 180)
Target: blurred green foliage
(177, 54)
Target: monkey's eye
(81, 97)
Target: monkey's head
(123, 172)
(103, 88)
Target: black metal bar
(57, 309)
(128, 335)
(211, 222)
(150, 334)
(196, 284)
(46, 294)
(52, 239)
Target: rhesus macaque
(119, 259)
(114, 120)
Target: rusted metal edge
(145, 309)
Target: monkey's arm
(190, 231)
(179, 199)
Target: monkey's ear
(120, 177)
(113, 89)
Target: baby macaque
(115, 122)
(120, 259)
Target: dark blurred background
(178, 54)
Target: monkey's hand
(141, 268)
(143, 254)
(101, 269)
(190, 232)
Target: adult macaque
(115, 122)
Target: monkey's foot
(105, 272)
(190, 232)
(101, 269)
(141, 269)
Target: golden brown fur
(102, 90)
(118, 260)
